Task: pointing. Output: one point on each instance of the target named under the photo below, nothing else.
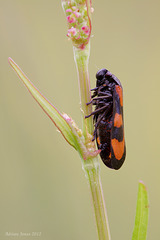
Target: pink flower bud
(71, 19)
(86, 30)
(68, 10)
(78, 19)
(72, 32)
(77, 14)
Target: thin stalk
(91, 166)
(81, 57)
(92, 172)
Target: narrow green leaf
(57, 118)
(141, 220)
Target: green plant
(78, 15)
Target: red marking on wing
(118, 121)
(118, 148)
(120, 93)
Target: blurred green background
(43, 187)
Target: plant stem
(92, 171)
(81, 57)
(91, 166)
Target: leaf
(141, 219)
(57, 118)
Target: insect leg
(98, 98)
(97, 111)
(93, 89)
(99, 120)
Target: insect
(108, 119)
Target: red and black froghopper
(108, 119)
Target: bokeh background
(42, 185)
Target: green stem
(92, 171)
(91, 166)
(81, 57)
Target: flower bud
(78, 19)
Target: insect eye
(101, 74)
(108, 74)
